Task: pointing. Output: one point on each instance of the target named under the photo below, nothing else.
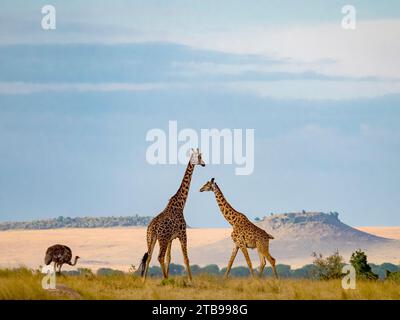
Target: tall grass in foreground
(24, 284)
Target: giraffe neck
(179, 199)
(226, 209)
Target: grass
(23, 283)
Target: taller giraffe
(170, 224)
(245, 234)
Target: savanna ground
(118, 248)
(23, 283)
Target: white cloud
(28, 88)
(370, 50)
(315, 89)
(278, 89)
(212, 68)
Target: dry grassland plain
(23, 284)
(119, 248)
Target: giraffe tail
(270, 237)
(142, 266)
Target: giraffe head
(209, 186)
(195, 158)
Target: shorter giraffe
(245, 234)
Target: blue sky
(76, 104)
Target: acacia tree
(360, 263)
(329, 267)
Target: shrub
(239, 272)
(154, 271)
(176, 269)
(363, 270)
(108, 272)
(210, 269)
(393, 276)
(329, 267)
(195, 269)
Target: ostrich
(59, 254)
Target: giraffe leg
(246, 255)
(271, 260)
(183, 240)
(262, 262)
(150, 253)
(264, 248)
(233, 256)
(161, 257)
(168, 260)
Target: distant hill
(78, 222)
(315, 227)
(299, 234)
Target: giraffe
(170, 224)
(245, 234)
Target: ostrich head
(47, 259)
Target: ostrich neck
(75, 261)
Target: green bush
(154, 271)
(210, 269)
(329, 267)
(195, 269)
(363, 270)
(176, 269)
(239, 272)
(393, 276)
(108, 272)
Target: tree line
(322, 268)
(78, 222)
(310, 271)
